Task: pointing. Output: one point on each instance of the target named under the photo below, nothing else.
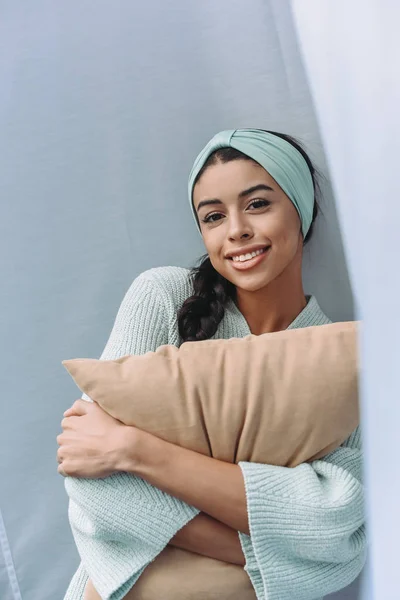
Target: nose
(239, 229)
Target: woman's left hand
(92, 442)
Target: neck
(274, 307)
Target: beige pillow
(180, 575)
(279, 398)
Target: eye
(212, 218)
(259, 203)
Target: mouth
(247, 261)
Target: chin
(251, 288)
(250, 283)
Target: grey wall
(103, 107)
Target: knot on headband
(282, 161)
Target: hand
(92, 442)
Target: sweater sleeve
(307, 525)
(121, 523)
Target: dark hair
(200, 315)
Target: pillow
(179, 575)
(279, 398)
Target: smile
(249, 256)
(250, 260)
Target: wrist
(139, 450)
(129, 454)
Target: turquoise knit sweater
(307, 533)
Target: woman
(299, 532)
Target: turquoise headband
(282, 161)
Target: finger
(72, 411)
(66, 423)
(76, 409)
(61, 471)
(69, 422)
(79, 408)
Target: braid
(200, 315)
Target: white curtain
(351, 51)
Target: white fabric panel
(351, 50)
(103, 108)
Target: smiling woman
(264, 219)
(299, 531)
(241, 210)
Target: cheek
(285, 231)
(287, 239)
(213, 244)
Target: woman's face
(242, 211)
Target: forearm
(209, 537)
(203, 535)
(90, 592)
(213, 486)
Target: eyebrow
(255, 188)
(243, 194)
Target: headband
(282, 161)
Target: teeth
(244, 257)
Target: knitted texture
(307, 533)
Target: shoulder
(156, 295)
(310, 316)
(315, 314)
(172, 284)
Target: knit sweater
(307, 532)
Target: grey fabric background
(103, 108)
